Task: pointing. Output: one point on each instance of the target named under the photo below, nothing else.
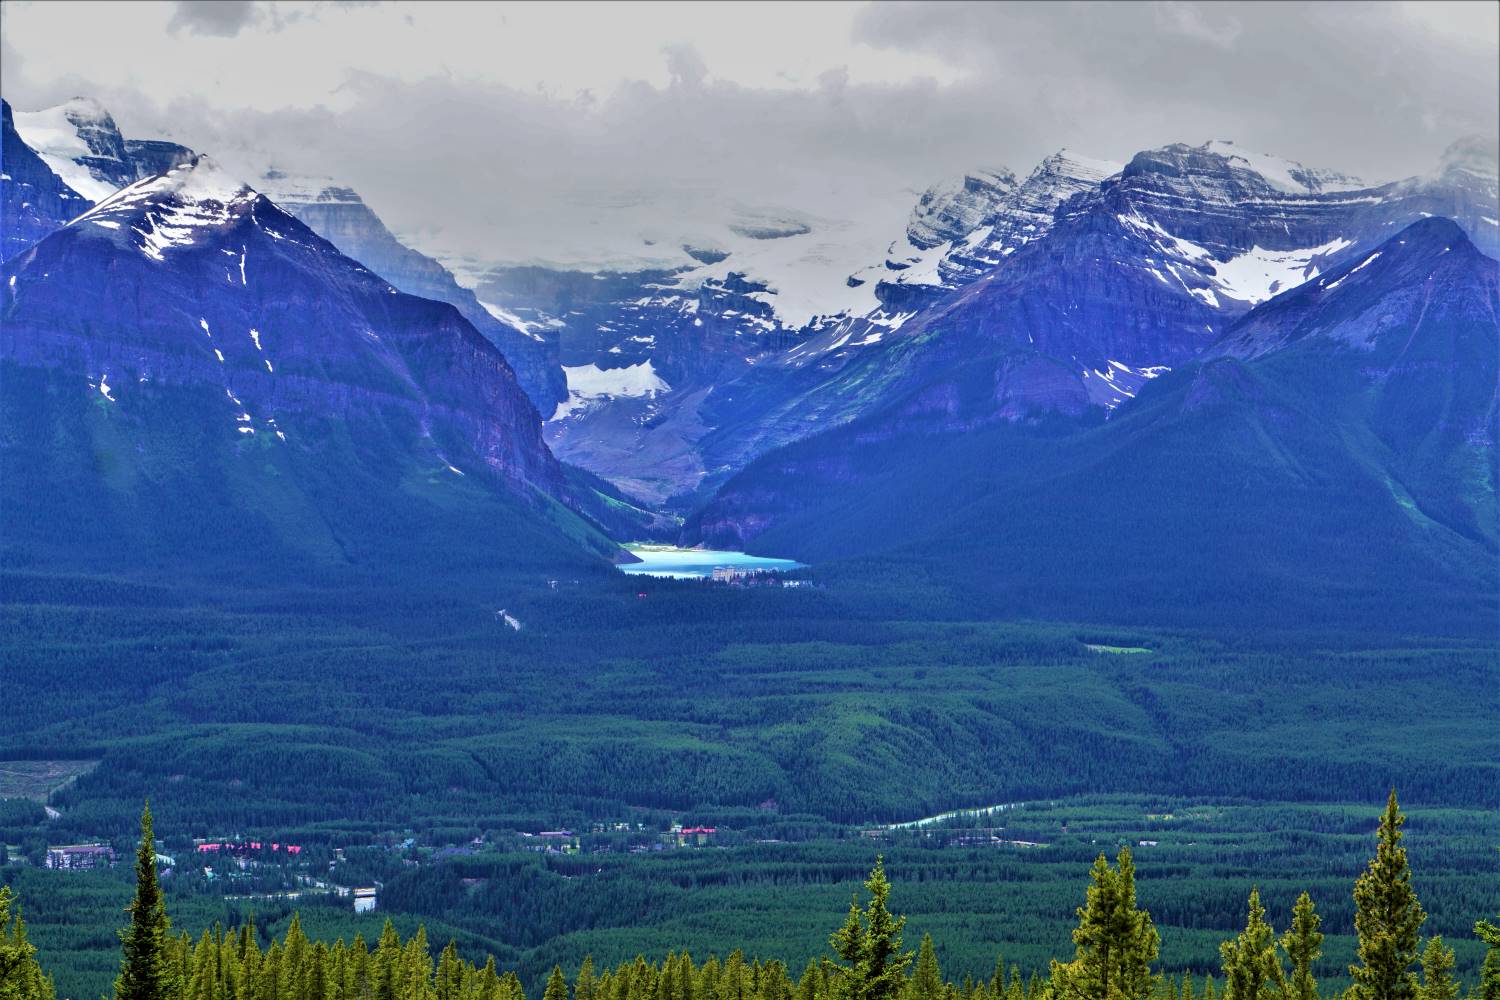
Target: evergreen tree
(1303, 944)
(387, 963)
(809, 986)
(21, 977)
(584, 985)
(145, 967)
(1115, 940)
(1437, 972)
(1252, 968)
(449, 983)
(870, 944)
(927, 980)
(1387, 918)
(557, 986)
(1489, 973)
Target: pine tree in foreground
(1387, 918)
(1437, 972)
(21, 977)
(146, 971)
(869, 942)
(927, 978)
(1115, 942)
(1252, 968)
(1489, 973)
(1303, 944)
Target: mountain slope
(207, 381)
(34, 201)
(340, 216)
(1334, 455)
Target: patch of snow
(588, 384)
(204, 323)
(104, 387)
(219, 354)
(255, 336)
(510, 318)
(1358, 267)
(455, 471)
(1259, 274)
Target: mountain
(649, 353)
(61, 160)
(339, 215)
(983, 221)
(81, 143)
(34, 200)
(196, 379)
(1333, 450)
(1004, 300)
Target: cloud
(223, 18)
(685, 66)
(504, 132)
(1193, 21)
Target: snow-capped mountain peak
(1473, 154)
(1286, 176)
(304, 189)
(170, 209)
(79, 141)
(951, 209)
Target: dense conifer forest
(1116, 955)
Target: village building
(694, 836)
(80, 857)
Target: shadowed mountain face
(1335, 447)
(340, 216)
(202, 375)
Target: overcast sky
(570, 131)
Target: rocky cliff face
(190, 290)
(155, 156)
(986, 224)
(953, 209)
(340, 216)
(34, 201)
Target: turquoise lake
(667, 560)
